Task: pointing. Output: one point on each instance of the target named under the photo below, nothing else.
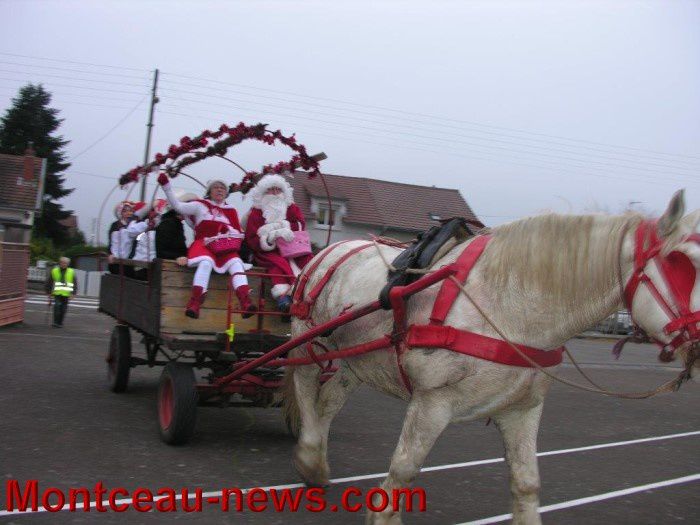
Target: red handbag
(224, 243)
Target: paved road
(62, 427)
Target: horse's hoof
(383, 518)
(312, 472)
(311, 477)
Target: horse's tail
(290, 405)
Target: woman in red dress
(211, 217)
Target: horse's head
(663, 291)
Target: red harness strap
(436, 335)
(302, 307)
(481, 346)
(449, 290)
(677, 272)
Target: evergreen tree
(30, 120)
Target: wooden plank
(183, 279)
(132, 301)
(212, 320)
(171, 296)
(174, 320)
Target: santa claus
(274, 216)
(216, 229)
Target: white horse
(541, 280)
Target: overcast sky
(524, 107)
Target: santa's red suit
(210, 219)
(273, 217)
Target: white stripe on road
(52, 336)
(70, 304)
(425, 469)
(71, 314)
(92, 300)
(593, 499)
(73, 297)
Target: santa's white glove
(286, 234)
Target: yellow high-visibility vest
(60, 287)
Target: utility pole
(154, 101)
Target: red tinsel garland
(200, 149)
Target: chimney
(29, 160)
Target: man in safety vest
(61, 285)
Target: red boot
(195, 302)
(243, 294)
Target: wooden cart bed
(157, 308)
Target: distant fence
(14, 259)
(88, 282)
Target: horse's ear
(673, 214)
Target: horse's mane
(565, 257)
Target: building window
(325, 216)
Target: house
(21, 193)
(361, 206)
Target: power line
(441, 118)
(500, 148)
(110, 130)
(111, 82)
(77, 87)
(441, 124)
(73, 62)
(353, 138)
(102, 73)
(60, 93)
(441, 138)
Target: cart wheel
(177, 403)
(119, 359)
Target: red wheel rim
(165, 403)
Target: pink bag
(300, 245)
(223, 244)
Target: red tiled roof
(382, 203)
(16, 189)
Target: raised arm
(136, 228)
(183, 208)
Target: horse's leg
(334, 394)
(332, 397)
(307, 453)
(427, 416)
(519, 430)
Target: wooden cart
(155, 309)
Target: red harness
(435, 334)
(678, 273)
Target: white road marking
(70, 305)
(71, 314)
(52, 336)
(424, 469)
(593, 499)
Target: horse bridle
(678, 273)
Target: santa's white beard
(274, 208)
